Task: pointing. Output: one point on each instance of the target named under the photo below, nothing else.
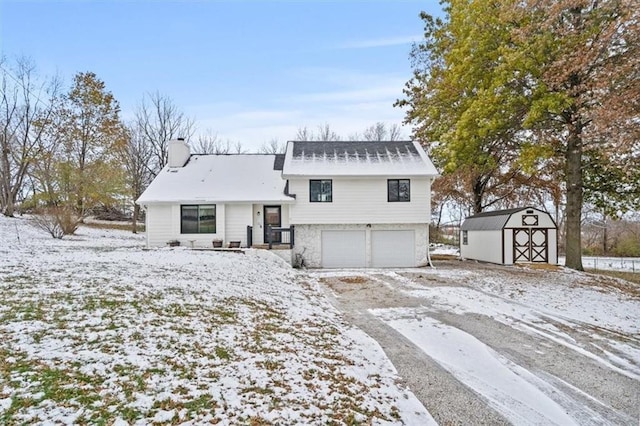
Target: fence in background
(627, 264)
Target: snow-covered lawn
(94, 329)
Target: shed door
(530, 245)
(393, 249)
(343, 249)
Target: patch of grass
(258, 389)
(634, 277)
(444, 257)
(223, 353)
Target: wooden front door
(273, 219)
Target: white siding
(237, 218)
(163, 225)
(483, 245)
(362, 200)
(159, 226)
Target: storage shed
(520, 235)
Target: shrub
(57, 221)
(628, 245)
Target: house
(519, 235)
(351, 204)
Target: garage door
(343, 249)
(393, 249)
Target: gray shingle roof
(346, 158)
(487, 221)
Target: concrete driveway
(486, 344)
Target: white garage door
(343, 249)
(393, 249)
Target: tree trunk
(9, 209)
(478, 193)
(136, 213)
(573, 240)
(605, 249)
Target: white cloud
(348, 100)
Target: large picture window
(198, 219)
(398, 190)
(320, 191)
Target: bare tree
(136, 157)
(381, 132)
(325, 133)
(273, 146)
(210, 143)
(21, 108)
(355, 136)
(160, 120)
(304, 134)
(394, 132)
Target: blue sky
(248, 70)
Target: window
(198, 219)
(465, 238)
(320, 191)
(398, 190)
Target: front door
(272, 218)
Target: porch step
(273, 247)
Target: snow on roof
(386, 158)
(219, 178)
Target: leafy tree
(538, 88)
(88, 168)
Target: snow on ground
(507, 387)
(598, 317)
(548, 304)
(630, 264)
(94, 329)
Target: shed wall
(483, 245)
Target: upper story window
(196, 219)
(320, 191)
(398, 190)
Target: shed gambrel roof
(362, 158)
(493, 220)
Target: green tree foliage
(85, 164)
(542, 90)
